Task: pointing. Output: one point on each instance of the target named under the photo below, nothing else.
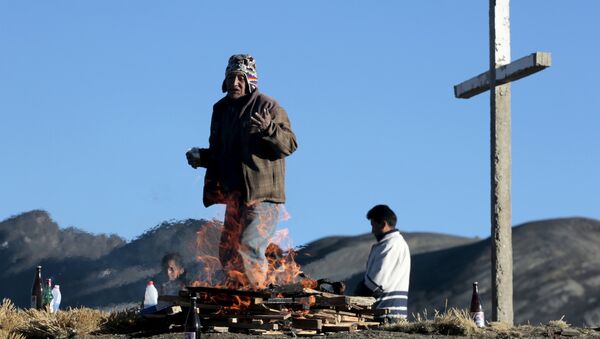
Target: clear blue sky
(99, 100)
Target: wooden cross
(497, 81)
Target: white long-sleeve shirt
(388, 274)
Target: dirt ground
(525, 332)
(354, 335)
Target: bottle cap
(56, 286)
(150, 282)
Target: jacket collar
(387, 235)
(242, 103)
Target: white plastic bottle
(151, 296)
(55, 299)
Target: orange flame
(280, 268)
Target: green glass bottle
(47, 295)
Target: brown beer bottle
(36, 291)
(192, 322)
(476, 309)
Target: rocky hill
(556, 266)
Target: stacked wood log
(287, 309)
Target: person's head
(172, 265)
(240, 76)
(383, 220)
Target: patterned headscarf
(245, 64)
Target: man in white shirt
(388, 268)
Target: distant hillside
(93, 270)
(556, 266)
(33, 236)
(348, 255)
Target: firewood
(342, 300)
(348, 318)
(364, 318)
(255, 331)
(272, 316)
(263, 309)
(346, 327)
(307, 324)
(218, 329)
(350, 314)
(272, 301)
(325, 317)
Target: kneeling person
(173, 269)
(388, 267)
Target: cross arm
(515, 70)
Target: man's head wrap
(245, 64)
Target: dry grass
(10, 320)
(78, 321)
(451, 322)
(456, 322)
(124, 321)
(19, 324)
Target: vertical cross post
(500, 127)
(497, 80)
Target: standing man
(388, 267)
(250, 136)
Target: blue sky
(99, 100)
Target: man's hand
(263, 121)
(193, 157)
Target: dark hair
(381, 213)
(176, 257)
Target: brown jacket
(262, 154)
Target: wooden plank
(218, 329)
(263, 309)
(185, 302)
(346, 313)
(348, 318)
(273, 301)
(307, 324)
(255, 331)
(367, 317)
(249, 326)
(513, 71)
(272, 316)
(326, 317)
(345, 327)
(342, 300)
